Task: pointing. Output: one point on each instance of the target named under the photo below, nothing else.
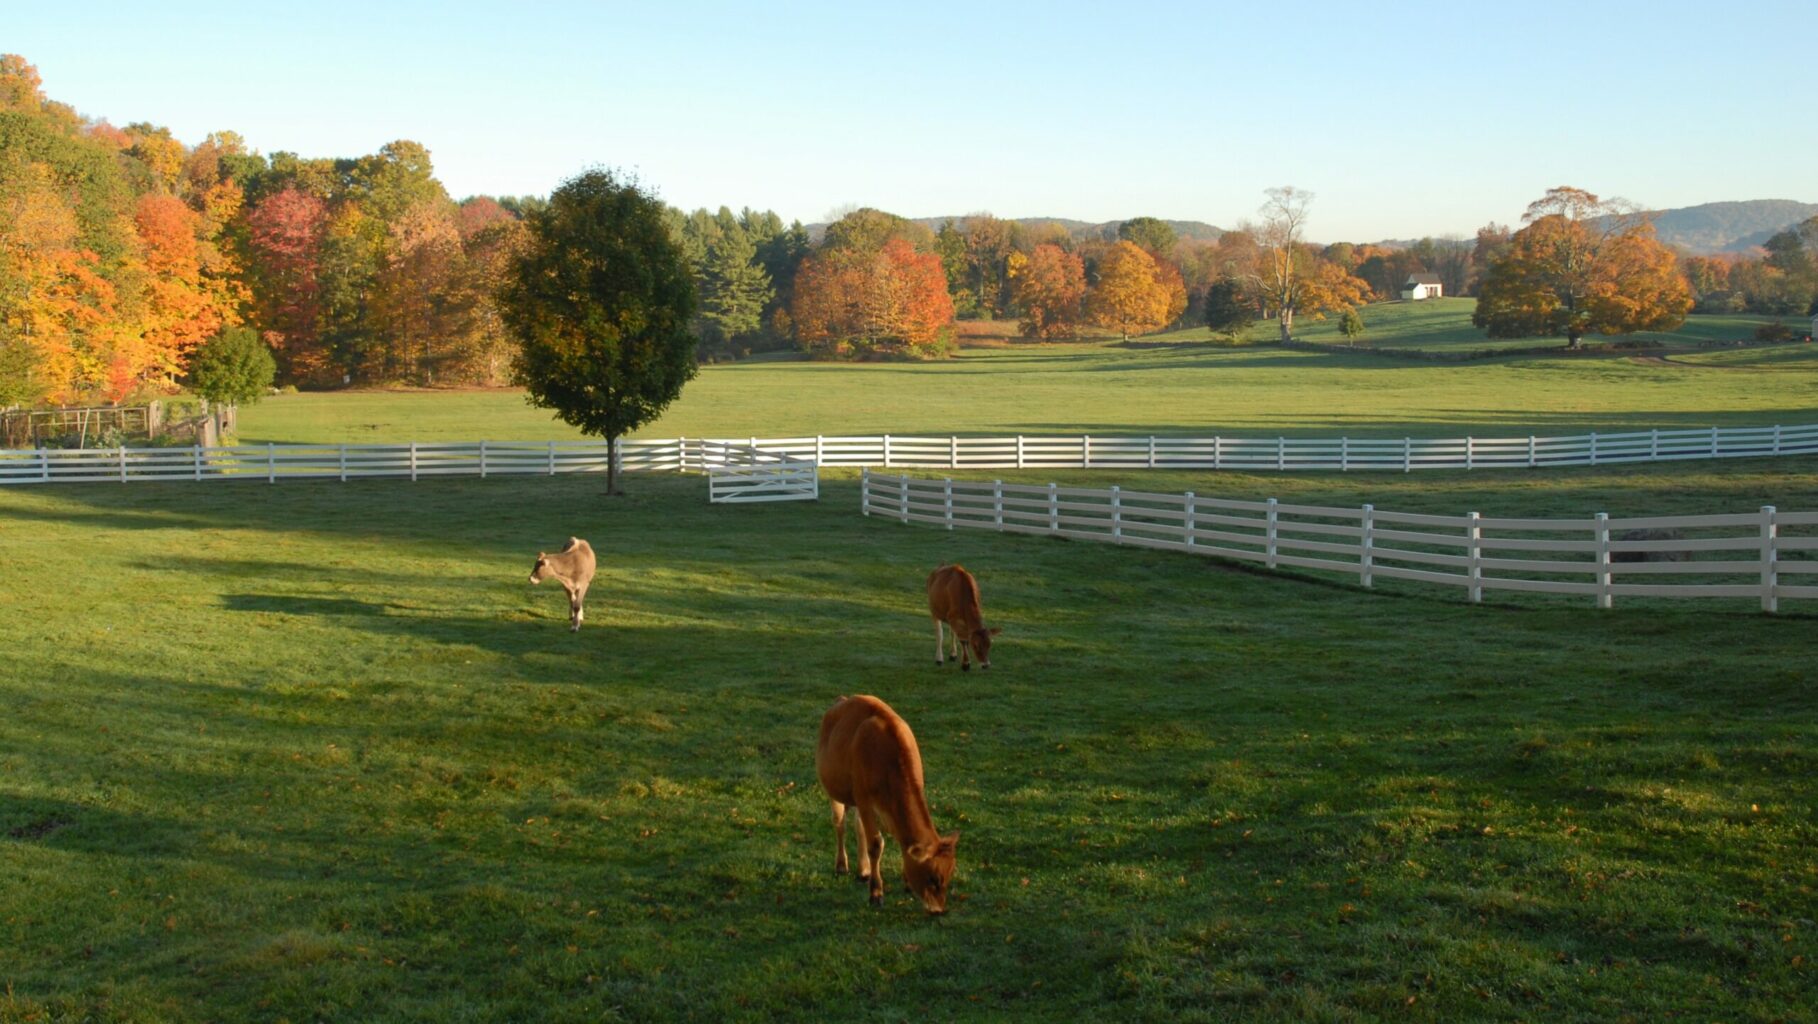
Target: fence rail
(485, 458)
(738, 474)
(1766, 555)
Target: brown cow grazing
(953, 603)
(867, 759)
(573, 568)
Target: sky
(1402, 120)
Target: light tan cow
(573, 568)
(953, 603)
(867, 760)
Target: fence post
(1604, 598)
(1770, 560)
(1593, 447)
(1407, 455)
(43, 465)
(997, 503)
(820, 449)
(343, 461)
(271, 464)
(1085, 459)
(1776, 439)
(1654, 445)
(1019, 451)
(1269, 537)
(482, 460)
(552, 458)
(1117, 516)
(1475, 550)
(1344, 454)
(1187, 515)
(1713, 442)
(952, 451)
(1531, 452)
(864, 489)
(122, 463)
(947, 502)
(902, 493)
(1218, 444)
(886, 451)
(1151, 451)
(1470, 452)
(413, 460)
(1366, 543)
(1053, 509)
(1281, 453)
(196, 453)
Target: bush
(1773, 332)
(233, 367)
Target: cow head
(928, 869)
(980, 643)
(541, 571)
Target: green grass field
(319, 752)
(1446, 324)
(1108, 388)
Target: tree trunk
(1286, 320)
(612, 465)
(1572, 340)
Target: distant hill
(1728, 227)
(1185, 229)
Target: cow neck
(909, 819)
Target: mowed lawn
(316, 751)
(1107, 388)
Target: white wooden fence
(1345, 454)
(1765, 555)
(485, 458)
(739, 473)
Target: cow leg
(938, 643)
(580, 598)
(839, 838)
(871, 855)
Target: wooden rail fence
(1765, 555)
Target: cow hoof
(966, 667)
(877, 899)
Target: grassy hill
(318, 752)
(1164, 384)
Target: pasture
(1107, 388)
(319, 752)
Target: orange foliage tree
(1581, 266)
(852, 302)
(1134, 293)
(1050, 288)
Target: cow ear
(950, 841)
(995, 630)
(918, 852)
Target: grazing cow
(953, 603)
(573, 568)
(867, 759)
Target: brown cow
(573, 568)
(867, 759)
(953, 602)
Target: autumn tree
(1131, 294)
(1581, 266)
(1281, 273)
(1050, 288)
(285, 233)
(601, 300)
(891, 302)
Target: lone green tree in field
(1581, 266)
(1351, 326)
(1228, 310)
(601, 299)
(233, 367)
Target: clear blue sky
(1403, 119)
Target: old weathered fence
(1764, 555)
